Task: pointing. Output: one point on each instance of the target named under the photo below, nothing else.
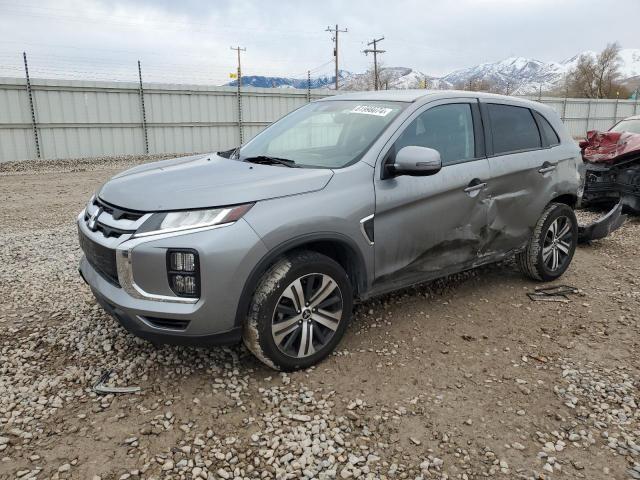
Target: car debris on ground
(102, 388)
(554, 293)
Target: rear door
(522, 164)
(428, 226)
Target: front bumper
(142, 300)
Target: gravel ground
(463, 378)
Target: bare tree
(597, 77)
(368, 78)
(477, 84)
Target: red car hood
(609, 147)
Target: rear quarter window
(549, 136)
(513, 129)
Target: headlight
(167, 222)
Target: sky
(188, 41)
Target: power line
(375, 51)
(335, 47)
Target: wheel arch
(334, 245)
(569, 199)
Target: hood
(609, 147)
(208, 180)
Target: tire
(548, 253)
(278, 326)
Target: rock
(222, 473)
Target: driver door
(430, 226)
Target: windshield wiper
(267, 160)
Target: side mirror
(416, 161)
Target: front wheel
(552, 244)
(299, 312)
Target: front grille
(116, 214)
(102, 259)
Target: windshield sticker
(371, 110)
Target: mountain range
(513, 75)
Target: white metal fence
(583, 114)
(86, 118)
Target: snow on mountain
(515, 75)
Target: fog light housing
(183, 271)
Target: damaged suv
(345, 198)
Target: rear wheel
(299, 311)
(552, 244)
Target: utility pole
(335, 46)
(240, 132)
(142, 110)
(34, 124)
(375, 52)
(308, 85)
(238, 49)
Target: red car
(612, 161)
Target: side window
(549, 135)
(446, 128)
(513, 129)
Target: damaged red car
(612, 166)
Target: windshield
(331, 134)
(631, 126)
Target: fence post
(588, 114)
(241, 133)
(615, 111)
(308, 85)
(34, 124)
(635, 107)
(564, 109)
(144, 114)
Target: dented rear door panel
(520, 186)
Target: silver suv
(345, 198)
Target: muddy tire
(299, 311)
(552, 244)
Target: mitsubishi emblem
(92, 220)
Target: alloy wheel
(307, 315)
(558, 240)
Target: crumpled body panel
(609, 147)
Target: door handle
(475, 187)
(547, 167)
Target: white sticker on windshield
(371, 110)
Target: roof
(422, 95)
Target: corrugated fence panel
(91, 118)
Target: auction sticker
(372, 110)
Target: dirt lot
(463, 378)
